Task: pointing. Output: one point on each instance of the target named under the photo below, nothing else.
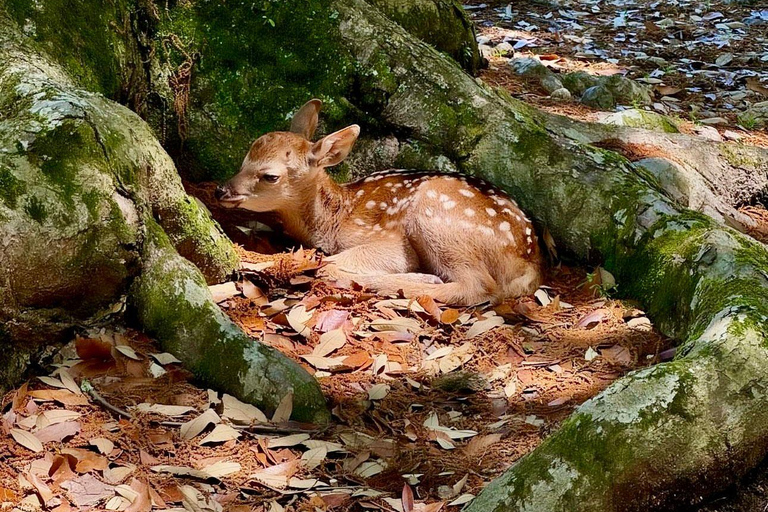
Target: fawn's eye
(271, 178)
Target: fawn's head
(282, 166)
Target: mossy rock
(645, 119)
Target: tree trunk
(84, 181)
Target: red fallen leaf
(86, 460)
(42, 489)
(592, 319)
(331, 319)
(86, 490)
(147, 459)
(7, 495)
(64, 507)
(358, 360)
(58, 431)
(62, 396)
(93, 368)
(157, 501)
(62, 468)
(19, 396)
(89, 348)
(143, 502)
(407, 498)
(449, 316)
(549, 56)
(335, 500)
(430, 306)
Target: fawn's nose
(221, 192)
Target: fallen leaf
(284, 409)
(378, 391)
(298, 318)
(396, 324)
(166, 410)
(220, 434)
(462, 500)
(193, 427)
(617, 355)
(86, 460)
(58, 431)
(43, 491)
(753, 84)
(222, 468)
(407, 498)
(90, 348)
(128, 352)
(330, 341)
(165, 358)
(87, 491)
(594, 318)
(286, 441)
(223, 291)
(240, 412)
(483, 326)
(590, 354)
(314, 457)
(27, 440)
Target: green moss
(10, 187)
(173, 303)
(258, 62)
(60, 153)
(85, 36)
(36, 209)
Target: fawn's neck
(321, 207)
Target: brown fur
(456, 239)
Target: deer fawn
(473, 242)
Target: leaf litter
(429, 402)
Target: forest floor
(429, 403)
(706, 62)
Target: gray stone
(579, 81)
(708, 132)
(504, 50)
(534, 70)
(561, 94)
(598, 97)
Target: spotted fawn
(454, 238)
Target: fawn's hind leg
(381, 267)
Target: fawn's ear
(305, 120)
(335, 147)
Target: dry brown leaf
(58, 431)
(330, 341)
(90, 348)
(62, 396)
(86, 460)
(43, 491)
(220, 434)
(483, 326)
(86, 491)
(104, 445)
(240, 412)
(223, 291)
(284, 409)
(407, 498)
(27, 440)
(193, 427)
(753, 84)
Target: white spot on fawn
(466, 193)
(485, 230)
(383, 205)
(388, 184)
(449, 204)
(431, 194)
(359, 222)
(429, 212)
(527, 231)
(469, 212)
(370, 205)
(444, 198)
(360, 193)
(491, 212)
(504, 226)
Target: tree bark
(85, 185)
